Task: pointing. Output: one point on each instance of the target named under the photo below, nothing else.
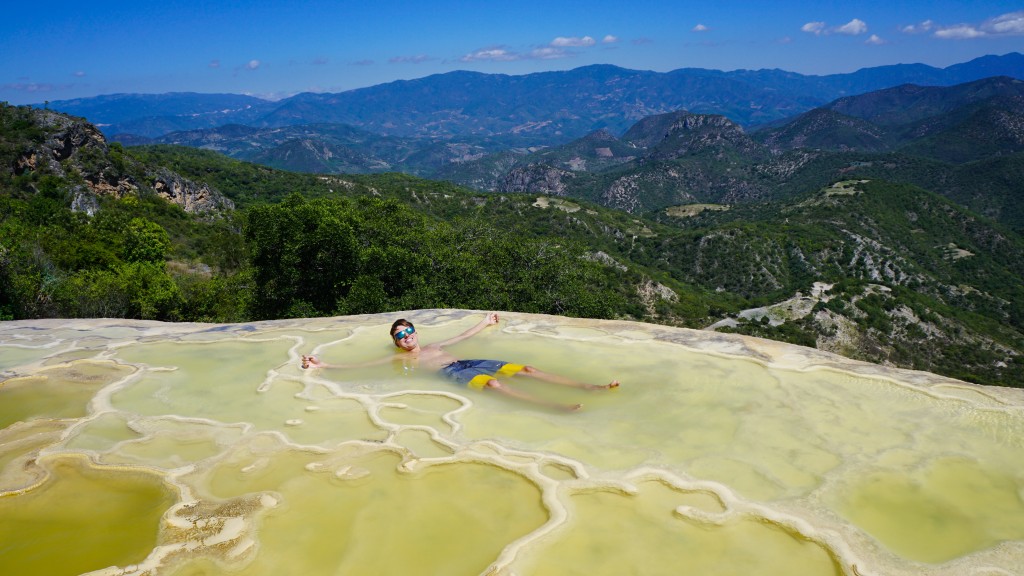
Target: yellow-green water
(81, 519)
(187, 449)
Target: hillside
(897, 266)
(879, 271)
(955, 124)
(37, 144)
(961, 141)
(914, 280)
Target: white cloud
(875, 40)
(556, 49)
(959, 32)
(491, 54)
(573, 42)
(502, 55)
(79, 74)
(1009, 24)
(214, 64)
(253, 64)
(921, 28)
(815, 28)
(700, 28)
(853, 27)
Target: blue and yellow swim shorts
(477, 373)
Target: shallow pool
(216, 453)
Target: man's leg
(497, 386)
(532, 372)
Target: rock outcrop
(77, 152)
(537, 178)
(193, 197)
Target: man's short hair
(400, 322)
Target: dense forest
(292, 248)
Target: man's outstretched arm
(490, 319)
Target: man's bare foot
(611, 385)
(572, 407)
(310, 362)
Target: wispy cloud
(79, 74)
(960, 32)
(320, 61)
(572, 42)
(362, 63)
(36, 87)
(213, 64)
(875, 40)
(250, 66)
(504, 55)
(495, 54)
(852, 28)
(700, 28)
(560, 47)
(417, 59)
(549, 53)
(922, 28)
(1009, 24)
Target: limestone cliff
(76, 152)
(193, 197)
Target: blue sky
(60, 50)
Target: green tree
(300, 251)
(145, 241)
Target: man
(477, 374)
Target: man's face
(406, 338)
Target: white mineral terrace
(188, 449)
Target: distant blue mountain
(120, 109)
(542, 108)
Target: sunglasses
(403, 333)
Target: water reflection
(718, 454)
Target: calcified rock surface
(150, 448)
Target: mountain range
(534, 109)
(959, 140)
